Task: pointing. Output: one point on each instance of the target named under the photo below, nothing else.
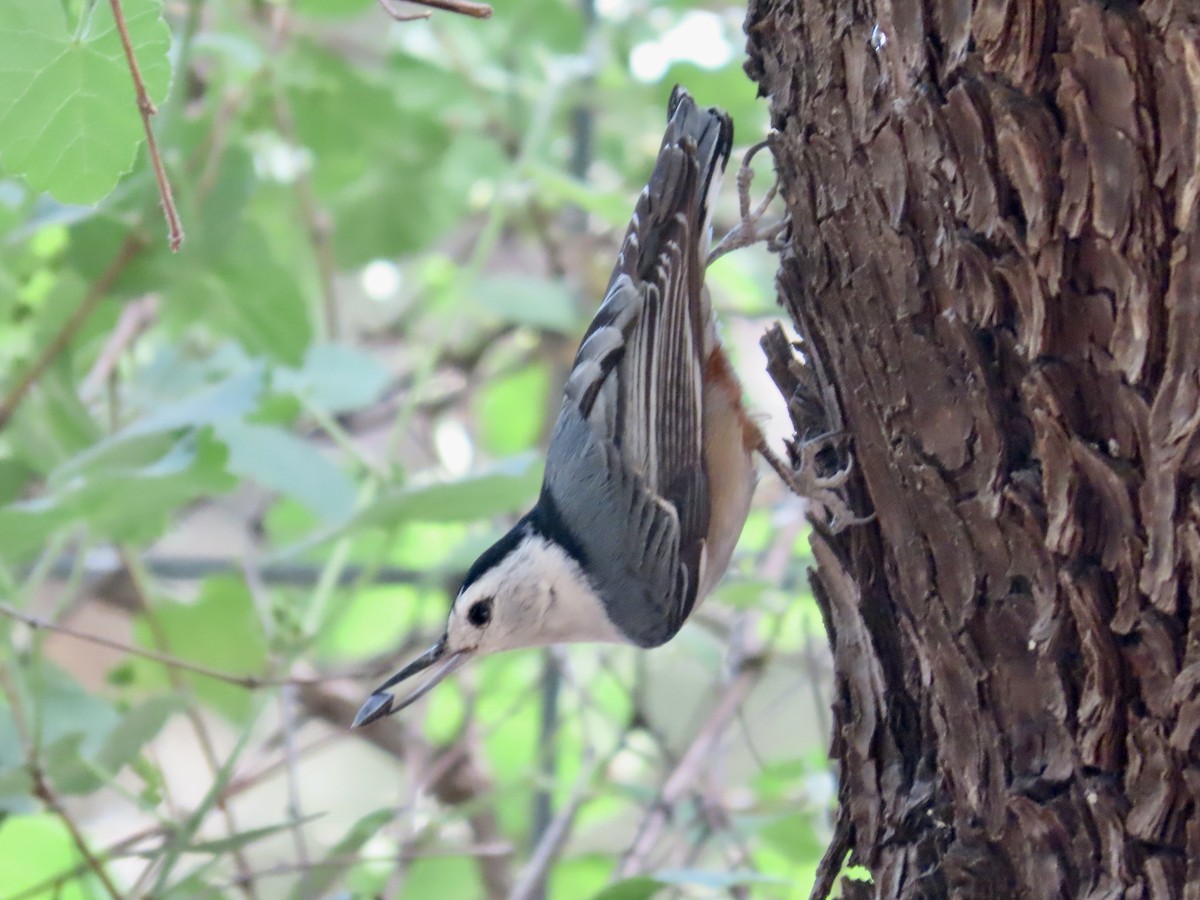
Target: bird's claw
(749, 230)
(825, 491)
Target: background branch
(462, 7)
(146, 109)
(460, 782)
(129, 249)
(690, 767)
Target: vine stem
(147, 109)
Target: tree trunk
(993, 265)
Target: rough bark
(994, 258)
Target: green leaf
(121, 501)
(433, 877)
(72, 726)
(778, 776)
(210, 212)
(433, 546)
(282, 462)
(510, 410)
(137, 728)
(245, 293)
(374, 620)
(256, 298)
(611, 207)
(737, 283)
(68, 118)
(220, 630)
(332, 7)
(502, 489)
(336, 377)
(231, 398)
(36, 848)
(446, 712)
(640, 887)
(580, 876)
(743, 593)
(319, 879)
(68, 767)
(237, 841)
(794, 836)
(526, 300)
(65, 709)
(350, 122)
(52, 424)
(16, 791)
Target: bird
(650, 467)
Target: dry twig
(146, 108)
(250, 682)
(462, 7)
(690, 767)
(130, 248)
(458, 779)
(135, 318)
(192, 713)
(41, 786)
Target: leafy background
(238, 483)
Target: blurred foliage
(346, 375)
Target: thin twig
(341, 862)
(130, 248)
(462, 7)
(402, 17)
(287, 698)
(51, 886)
(43, 791)
(135, 318)
(250, 682)
(146, 108)
(41, 786)
(834, 856)
(124, 846)
(690, 766)
(458, 778)
(716, 821)
(203, 738)
(543, 798)
(532, 880)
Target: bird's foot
(750, 229)
(806, 481)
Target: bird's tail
(710, 130)
(675, 208)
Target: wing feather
(637, 389)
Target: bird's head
(524, 591)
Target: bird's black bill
(381, 703)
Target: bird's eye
(480, 612)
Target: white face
(533, 597)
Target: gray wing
(628, 536)
(626, 465)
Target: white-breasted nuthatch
(649, 472)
